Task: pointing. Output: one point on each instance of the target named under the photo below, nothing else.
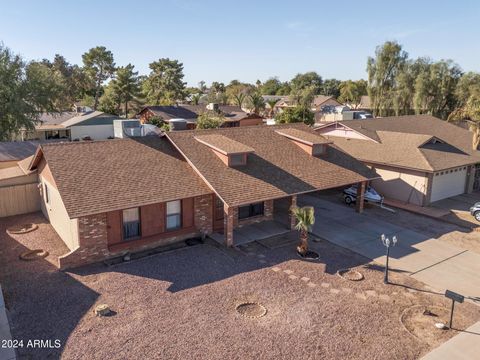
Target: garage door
(448, 183)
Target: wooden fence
(19, 199)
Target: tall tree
(25, 92)
(331, 87)
(382, 71)
(435, 88)
(165, 85)
(467, 85)
(74, 81)
(307, 80)
(351, 92)
(126, 85)
(470, 111)
(99, 65)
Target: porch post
(293, 221)
(228, 225)
(360, 196)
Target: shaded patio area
(254, 232)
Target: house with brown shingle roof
(107, 198)
(234, 116)
(420, 159)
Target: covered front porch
(239, 225)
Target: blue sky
(245, 40)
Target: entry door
(218, 215)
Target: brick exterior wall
(92, 231)
(92, 237)
(203, 213)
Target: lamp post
(387, 243)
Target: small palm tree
(271, 105)
(257, 102)
(239, 99)
(305, 217)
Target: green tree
(435, 88)
(99, 65)
(110, 102)
(126, 86)
(382, 71)
(257, 104)
(331, 87)
(25, 92)
(467, 85)
(303, 96)
(165, 85)
(271, 86)
(307, 80)
(305, 219)
(271, 106)
(470, 111)
(74, 81)
(295, 114)
(351, 92)
(210, 120)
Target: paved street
(438, 264)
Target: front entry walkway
(249, 233)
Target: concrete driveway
(438, 264)
(459, 207)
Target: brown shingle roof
(223, 144)
(306, 137)
(405, 141)
(278, 167)
(98, 176)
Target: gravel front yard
(181, 304)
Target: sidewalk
(5, 353)
(464, 346)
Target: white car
(350, 195)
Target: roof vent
(231, 152)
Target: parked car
(475, 211)
(350, 195)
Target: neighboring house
(12, 152)
(420, 158)
(95, 125)
(19, 189)
(323, 100)
(234, 115)
(146, 192)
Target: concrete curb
(6, 353)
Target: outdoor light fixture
(387, 243)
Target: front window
(174, 215)
(237, 159)
(131, 223)
(251, 210)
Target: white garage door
(448, 183)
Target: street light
(387, 243)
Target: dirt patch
(22, 228)
(420, 321)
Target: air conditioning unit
(127, 128)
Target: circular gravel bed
(309, 255)
(33, 255)
(251, 310)
(420, 320)
(350, 274)
(22, 229)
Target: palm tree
(239, 99)
(257, 102)
(305, 217)
(271, 104)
